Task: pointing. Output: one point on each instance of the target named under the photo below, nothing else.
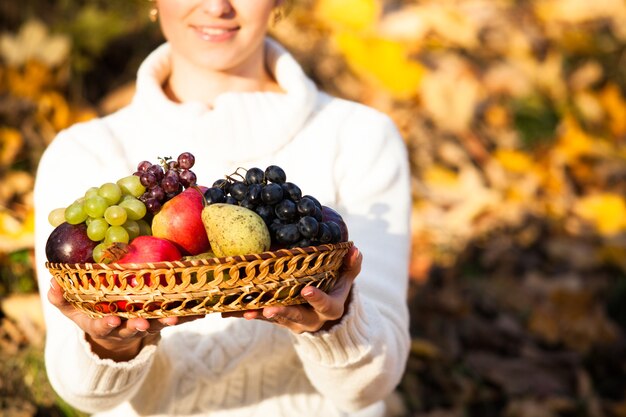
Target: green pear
(203, 255)
(235, 230)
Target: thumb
(352, 263)
(55, 294)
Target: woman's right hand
(113, 337)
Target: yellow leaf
(507, 79)
(579, 11)
(16, 234)
(589, 106)
(56, 50)
(574, 142)
(572, 317)
(451, 24)
(514, 160)
(405, 24)
(547, 74)
(9, 225)
(497, 116)
(606, 211)
(2, 79)
(446, 23)
(555, 188)
(614, 104)
(437, 176)
(53, 107)
(357, 15)
(10, 144)
(30, 80)
(613, 253)
(15, 183)
(382, 62)
(33, 42)
(82, 115)
(424, 349)
(586, 75)
(450, 94)
(28, 224)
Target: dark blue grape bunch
(293, 219)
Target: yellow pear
(234, 230)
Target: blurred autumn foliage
(514, 113)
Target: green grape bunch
(112, 213)
(118, 212)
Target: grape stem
(204, 202)
(230, 177)
(164, 161)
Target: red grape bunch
(293, 219)
(165, 180)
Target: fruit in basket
(122, 210)
(235, 230)
(56, 216)
(180, 221)
(293, 219)
(149, 249)
(142, 249)
(203, 255)
(329, 214)
(165, 180)
(69, 243)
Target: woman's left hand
(323, 309)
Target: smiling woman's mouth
(215, 34)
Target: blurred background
(514, 112)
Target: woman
(220, 89)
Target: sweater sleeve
(361, 360)
(66, 170)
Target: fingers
(111, 336)
(101, 327)
(283, 314)
(331, 306)
(111, 326)
(327, 306)
(321, 311)
(352, 263)
(55, 296)
(298, 318)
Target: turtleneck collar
(243, 125)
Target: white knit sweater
(347, 155)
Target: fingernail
(308, 292)
(113, 321)
(167, 321)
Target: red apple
(149, 249)
(180, 221)
(330, 214)
(140, 250)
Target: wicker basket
(200, 286)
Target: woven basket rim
(283, 252)
(200, 286)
